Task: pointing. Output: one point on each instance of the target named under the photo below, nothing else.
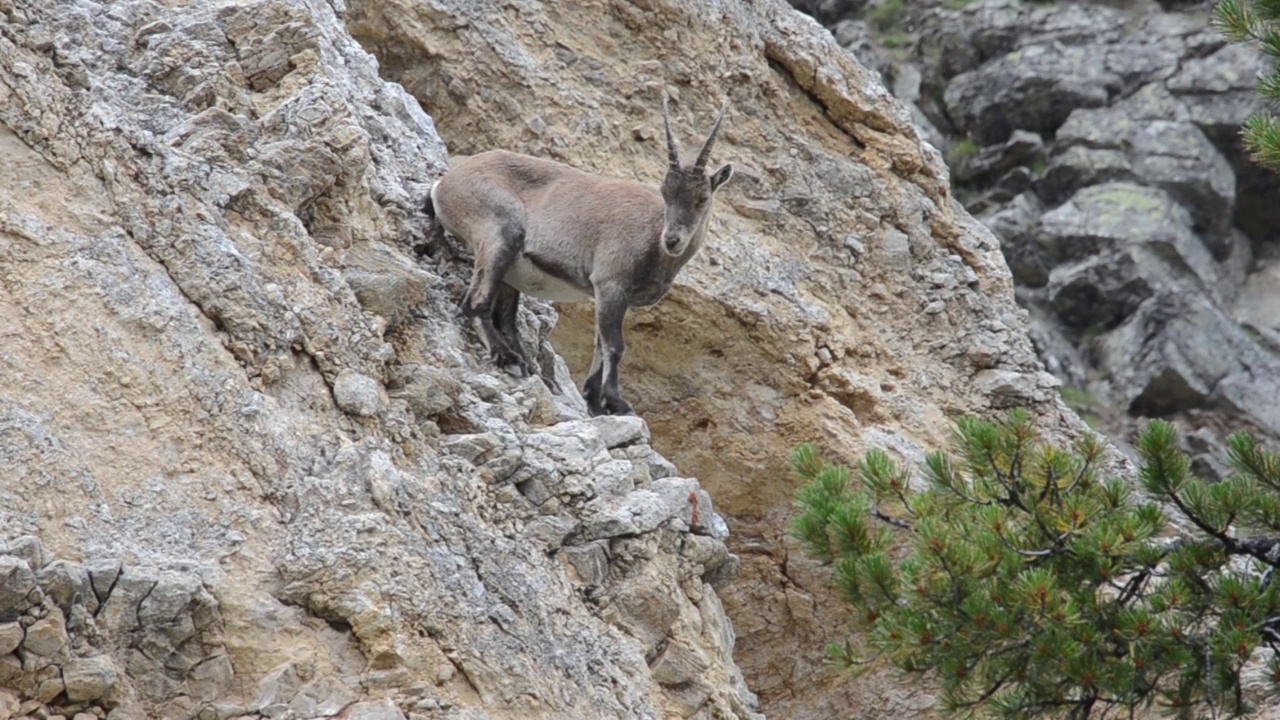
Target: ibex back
(541, 227)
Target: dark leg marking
(611, 310)
(591, 389)
(506, 305)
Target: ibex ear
(721, 176)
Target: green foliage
(896, 39)
(1257, 22)
(1086, 406)
(887, 15)
(1034, 588)
(961, 152)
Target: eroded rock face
(298, 496)
(252, 464)
(842, 297)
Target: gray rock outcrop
(1105, 156)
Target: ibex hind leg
(506, 305)
(494, 256)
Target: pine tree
(1257, 21)
(1033, 588)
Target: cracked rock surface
(255, 467)
(252, 465)
(843, 296)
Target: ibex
(541, 227)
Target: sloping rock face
(843, 297)
(253, 466)
(1103, 150)
(249, 464)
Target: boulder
(1078, 166)
(1033, 88)
(1023, 148)
(1015, 224)
(1096, 294)
(1157, 150)
(954, 41)
(1257, 308)
(1182, 352)
(1220, 92)
(90, 678)
(46, 637)
(357, 394)
(828, 11)
(16, 585)
(1220, 89)
(1104, 220)
(67, 583)
(11, 634)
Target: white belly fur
(527, 278)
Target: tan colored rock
(46, 637)
(10, 637)
(206, 229)
(803, 318)
(8, 704)
(89, 678)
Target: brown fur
(558, 233)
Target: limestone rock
(89, 678)
(29, 549)
(620, 430)
(428, 391)
(67, 583)
(590, 562)
(1173, 155)
(1116, 220)
(1021, 149)
(46, 638)
(1015, 225)
(324, 697)
(1219, 88)
(1161, 362)
(16, 585)
(1258, 306)
(380, 710)
(8, 704)
(1033, 88)
(198, 204)
(644, 510)
(10, 637)
(357, 394)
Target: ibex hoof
(513, 364)
(610, 406)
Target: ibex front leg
(601, 390)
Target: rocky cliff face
(1099, 142)
(252, 465)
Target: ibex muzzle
(541, 227)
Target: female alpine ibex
(541, 227)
